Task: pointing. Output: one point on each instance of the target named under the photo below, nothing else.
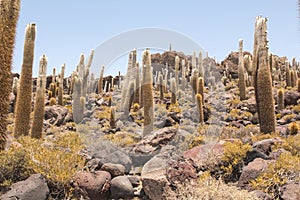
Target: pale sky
(66, 28)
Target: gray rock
(113, 169)
(154, 183)
(57, 115)
(265, 145)
(92, 185)
(35, 187)
(252, 171)
(154, 164)
(121, 187)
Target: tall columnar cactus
(177, 60)
(183, 74)
(23, 106)
(200, 63)
(262, 78)
(147, 94)
(39, 106)
(9, 14)
(100, 81)
(280, 99)
(161, 87)
(288, 74)
(293, 81)
(137, 85)
(78, 101)
(298, 84)
(15, 88)
(241, 73)
(200, 88)
(194, 60)
(86, 73)
(248, 64)
(61, 85)
(126, 82)
(194, 80)
(112, 120)
(200, 108)
(173, 90)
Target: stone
(253, 154)
(291, 97)
(266, 144)
(261, 195)
(121, 187)
(179, 172)
(252, 171)
(92, 185)
(134, 180)
(290, 191)
(34, 187)
(113, 169)
(57, 115)
(154, 184)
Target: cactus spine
(39, 107)
(9, 14)
(23, 106)
(200, 108)
(280, 99)
(147, 94)
(263, 80)
(241, 82)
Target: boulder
(151, 145)
(291, 97)
(154, 184)
(252, 171)
(92, 185)
(266, 145)
(34, 187)
(57, 115)
(113, 169)
(121, 188)
(290, 191)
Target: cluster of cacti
(39, 106)
(241, 73)
(9, 14)
(262, 78)
(23, 104)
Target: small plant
(285, 169)
(234, 154)
(293, 128)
